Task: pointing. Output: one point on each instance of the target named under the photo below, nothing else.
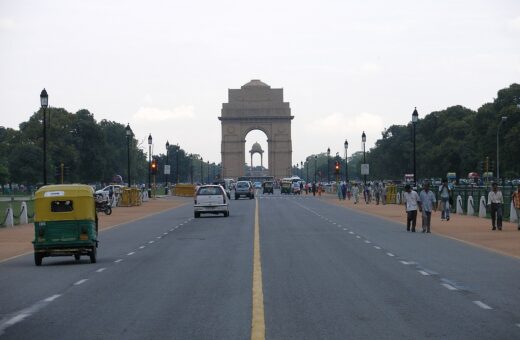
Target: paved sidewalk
(16, 241)
(469, 229)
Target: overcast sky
(345, 66)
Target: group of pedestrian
(424, 202)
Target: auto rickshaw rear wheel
(38, 257)
(93, 254)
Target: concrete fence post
(398, 198)
(513, 217)
(23, 214)
(482, 207)
(459, 210)
(145, 196)
(471, 208)
(9, 220)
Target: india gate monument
(256, 106)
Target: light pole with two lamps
(150, 140)
(167, 176)
(328, 165)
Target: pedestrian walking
(495, 201)
(383, 193)
(344, 190)
(338, 190)
(445, 193)
(349, 190)
(426, 206)
(411, 203)
(516, 204)
(355, 193)
(313, 188)
(320, 189)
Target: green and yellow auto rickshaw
(286, 187)
(65, 222)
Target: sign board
(364, 169)
(166, 169)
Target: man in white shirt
(411, 203)
(495, 201)
(426, 205)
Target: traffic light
(481, 167)
(153, 167)
(336, 168)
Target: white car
(211, 199)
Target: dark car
(268, 187)
(244, 188)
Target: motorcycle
(102, 205)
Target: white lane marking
(450, 287)
(390, 254)
(482, 305)
(80, 282)
(151, 242)
(423, 272)
(367, 241)
(130, 253)
(358, 236)
(518, 325)
(165, 233)
(351, 232)
(405, 263)
(52, 298)
(159, 236)
(172, 229)
(142, 247)
(117, 261)
(333, 222)
(15, 319)
(100, 270)
(181, 224)
(339, 225)
(378, 248)
(345, 229)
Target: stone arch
(256, 106)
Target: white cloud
(153, 114)
(337, 126)
(370, 68)
(6, 24)
(514, 24)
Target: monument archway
(256, 106)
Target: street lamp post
(307, 168)
(415, 118)
(167, 179)
(177, 164)
(301, 169)
(346, 163)
(149, 163)
(44, 102)
(502, 120)
(128, 132)
(315, 166)
(201, 170)
(328, 165)
(364, 140)
(208, 182)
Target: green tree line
(91, 152)
(456, 139)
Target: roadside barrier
(471, 207)
(482, 207)
(459, 210)
(184, 190)
(513, 216)
(130, 197)
(9, 218)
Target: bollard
(145, 196)
(482, 207)
(513, 217)
(23, 214)
(471, 208)
(398, 198)
(459, 210)
(9, 220)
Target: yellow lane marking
(258, 321)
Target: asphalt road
(327, 273)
